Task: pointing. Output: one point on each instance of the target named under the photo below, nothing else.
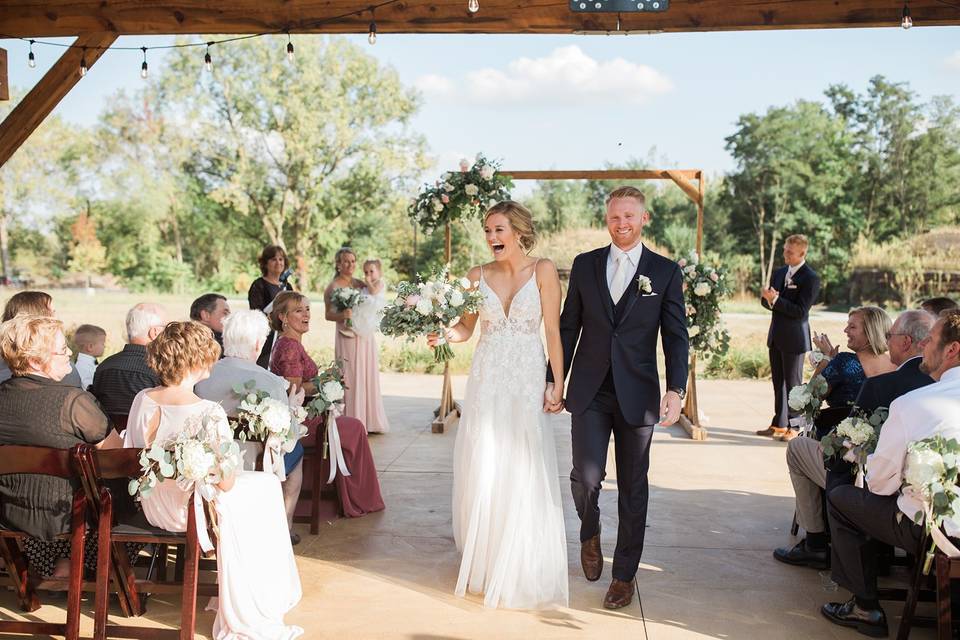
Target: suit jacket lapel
(632, 288)
(602, 287)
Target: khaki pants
(809, 477)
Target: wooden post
(448, 412)
(4, 78)
(690, 416)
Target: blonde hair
(798, 240)
(520, 219)
(375, 261)
(34, 303)
(180, 348)
(281, 305)
(628, 192)
(28, 338)
(876, 324)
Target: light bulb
(906, 22)
(372, 37)
(473, 6)
(208, 62)
(31, 59)
(83, 67)
(144, 70)
(289, 49)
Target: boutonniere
(644, 284)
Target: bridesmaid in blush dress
(360, 491)
(357, 353)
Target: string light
(289, 48)
(906, 21)
(372, 36)
(144, 69)
(31, 59)
(473, 6)
(83, 62)
(207, 59)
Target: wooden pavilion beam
(49, 91)
(606, 174)
(46, 18)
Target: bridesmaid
(357, 354)
(273, 264)
(360, 491)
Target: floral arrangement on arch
(704, 286)
(461, 194)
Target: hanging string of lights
(473, 6)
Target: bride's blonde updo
(521, 221)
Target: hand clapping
(822, 342)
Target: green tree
(87, 255)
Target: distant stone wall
(880, 286)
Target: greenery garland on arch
(461, 194)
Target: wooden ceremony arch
(690, 416)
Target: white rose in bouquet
(799, 397)
(456, 299)
(195, 461)
(437, 205)
(424, 306)
(923, 467)
(701, 289)
(332, 391)
(486, 172)
(471, 189)
(693, 331)
(275, 415)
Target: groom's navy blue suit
(615, 387)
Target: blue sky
(578, 102)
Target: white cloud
(953, 61)
(567, 76)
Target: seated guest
(805, 455)
(257, 575)
(123, 375)
(211, 309)
(936, 306)
(290, 318)
(37, 303)
(36, 410)
(244, 333)
(858, 516)
(91, 341)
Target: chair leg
(913, 592)
(188, 610)
(315, 494)
(944, 613)
(162, 555)
(78, 535)
(19, 575)
(104, 567)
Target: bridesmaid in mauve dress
(357, 353)
(360, 491)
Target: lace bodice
(524, 315)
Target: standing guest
(274, 270)
(243, 335)
(360, 491)
(123, 375)
(211, 309)
(91, 340)
(936, 306)
(858, 517)
(805, 455)
(793, 290)
(356, 352)
(257, 574)
(37, 303)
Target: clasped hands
(769, 294)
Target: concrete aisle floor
(717, 510)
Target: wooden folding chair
(318, 500)
(61, 463)
(112, 563)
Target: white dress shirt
(922, 413)
(633, 256)
(792, 271)
(86, 366)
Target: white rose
(427, 290)
(437, 205)
(447, 187)
(486, 172)
(693, 331)
(195, 461)
(923, 467)
(465, 283)
(456, 299)
(332, 391)
(275, 416)
(424, 307)
(471, 189)
(798, 398)
(701, 289)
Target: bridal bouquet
(198, 458)
(931, 475)
(855, 438)
(344, 298)
(265, 419)
(807, 398)
(430, 306)
(329, 383)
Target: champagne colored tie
(620, 274)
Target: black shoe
(294, 539)
(800, 556)
(869, 622)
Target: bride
(507, 514)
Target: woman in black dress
(274, 267)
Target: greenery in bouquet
(466, 193)
(344, 298)
(855, 438)
(330, 387)
(430, 306)
(807, 398)
(265, 419)
(704, 286)
(200, 456)
(931, 475)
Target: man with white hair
(123, 375)
(244, 334)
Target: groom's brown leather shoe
(769, 431)
(619, 595)
(591, 558)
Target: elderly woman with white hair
(244, 334)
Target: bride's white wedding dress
(507, 511)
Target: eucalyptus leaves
(268, 420)
(330, 388)
(460, 194)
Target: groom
(620, 297)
